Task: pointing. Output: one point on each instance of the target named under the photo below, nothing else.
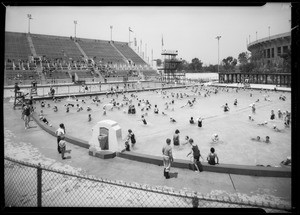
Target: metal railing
(31, 185)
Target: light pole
(256, 35)
(111, 27)
(29, 18)
(218, 38)
(75, 22)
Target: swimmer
(263, 123)
(256, 139)
(253, 107)
(215, 138)
(186, 140)
(104, 112)
(276, 129)
(172, 120)
(279, 114)
(199, 120)
(68, 109)
(88, 108)
(267, 140)
(90, 117)
(226, 108)
(235, 102)
(55, 108)
(163, 113)
(192, 120)
(272, 115)
(144, 120)
(156, 109)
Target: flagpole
(129, 36)
(152, 57)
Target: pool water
(234, 128)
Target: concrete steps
(123, 57)
(81, 50)
(32, 49)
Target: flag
(130, 29)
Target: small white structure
(106, 130)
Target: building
(265, 52)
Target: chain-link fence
(30, 185)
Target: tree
(211, 68)
(243, 58)
(248, 67)
(286, 61)
(196, 65)
(158, 62)
(229, 63)
(184, 65)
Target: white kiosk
(106, 139)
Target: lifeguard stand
(169, 71)
(33, 90)
(19, 97)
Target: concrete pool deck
(275, 189)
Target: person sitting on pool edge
(287, 162)
(212, 157)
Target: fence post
(195, 200)
(39, 186)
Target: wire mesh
(20, 185)
(65, 189)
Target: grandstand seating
(150, 72)
(55, 47)
(61, 54)
(16, 46)
(129, 53)
(82, 74)
(21, 75)
(17, 66)
(101, 49)
(32, 66)
(9, 66)
(57, 74)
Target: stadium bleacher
(100, 50)
(59, 55)
(55, 47)
(16, 46)
(129, 53)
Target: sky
(190, 30)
